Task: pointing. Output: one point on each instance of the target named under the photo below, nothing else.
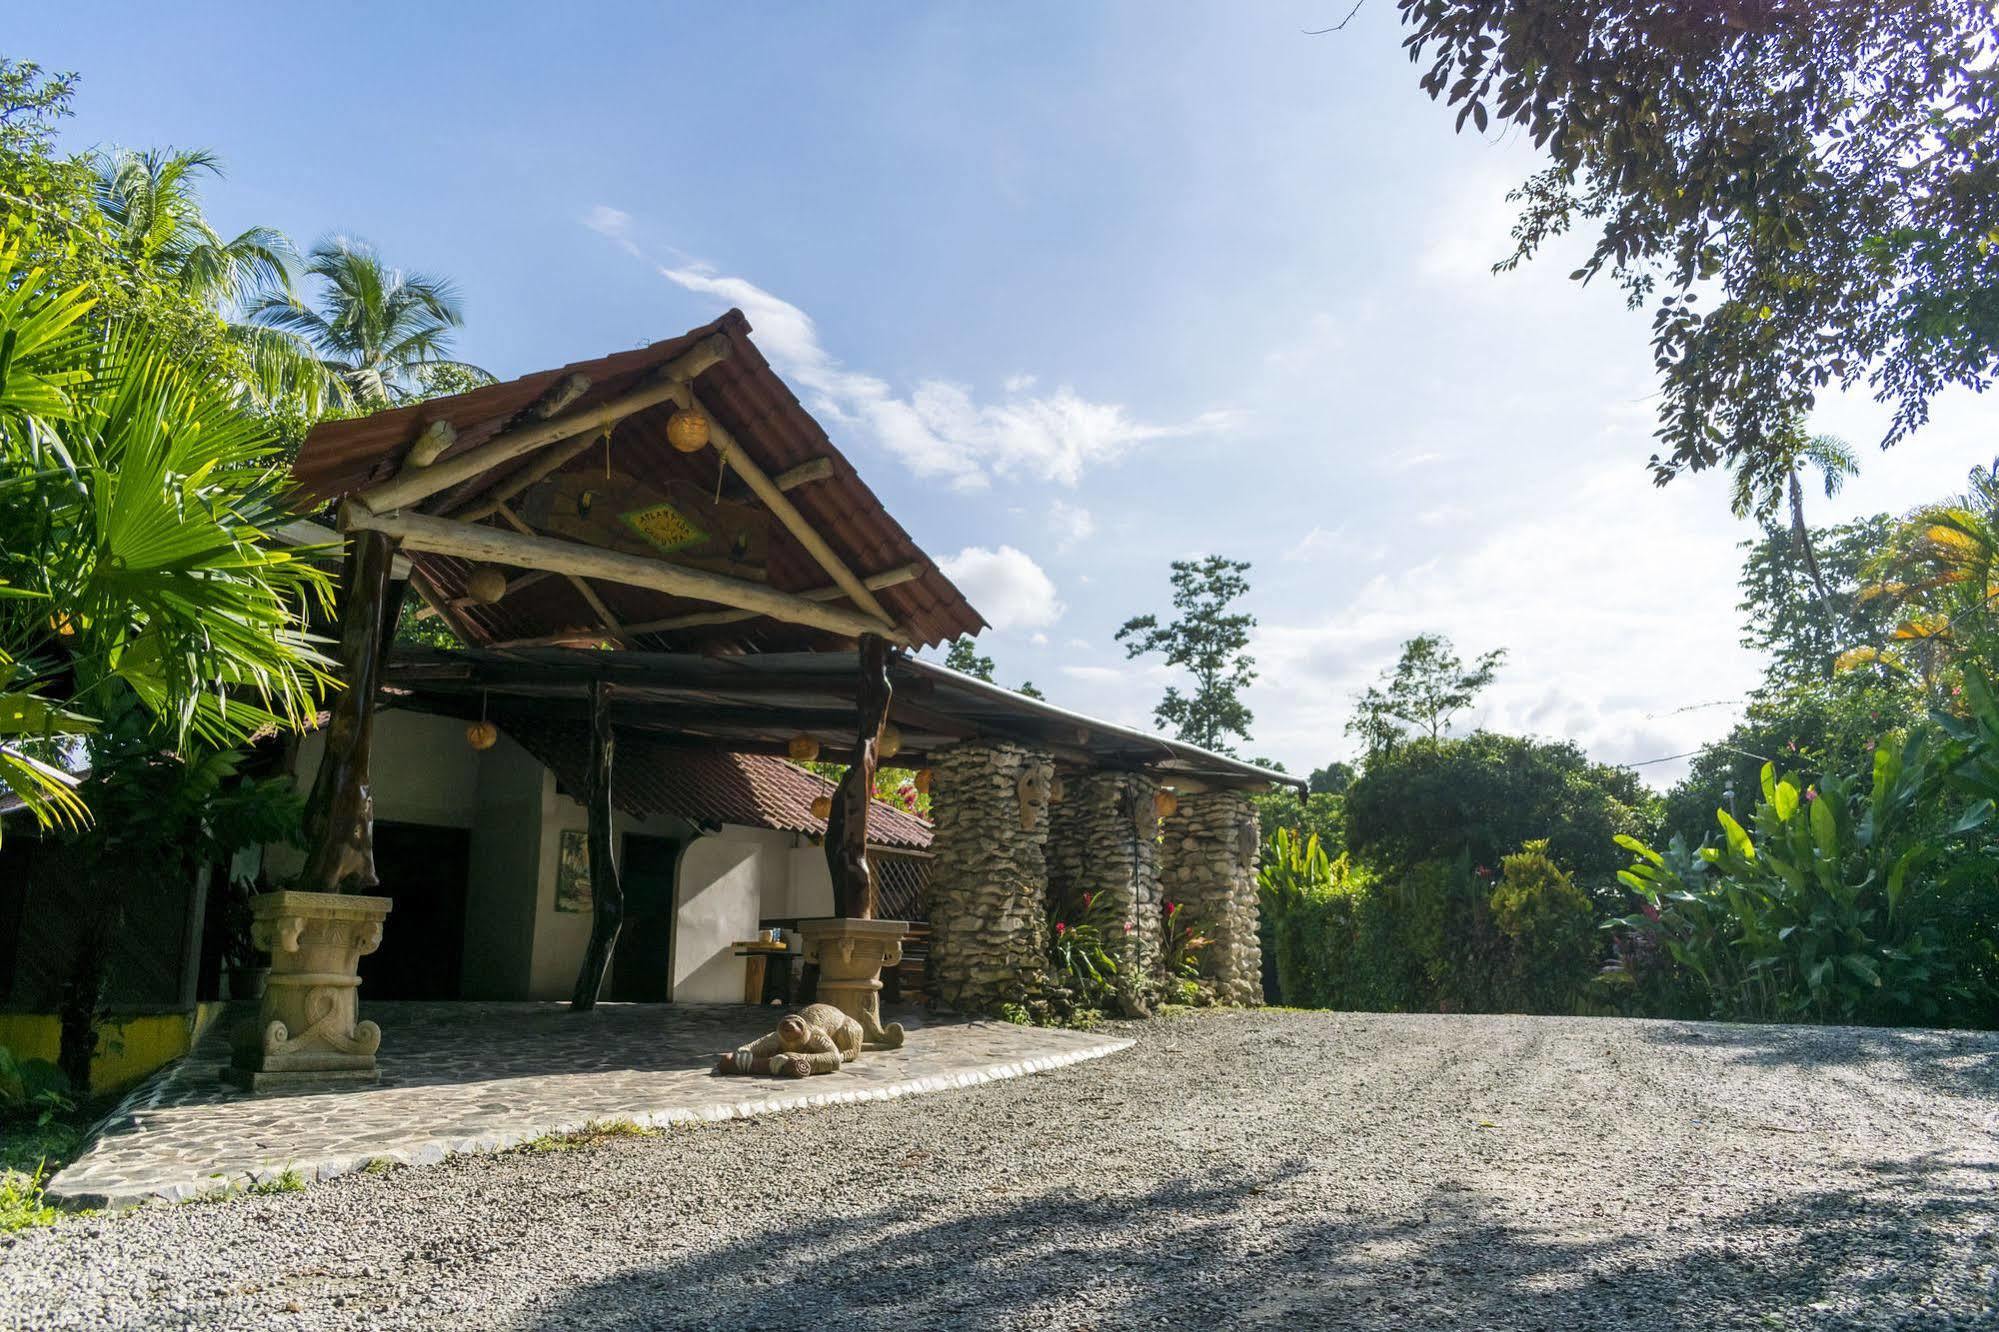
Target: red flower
(1485, 871)
(1060, 928)
(1172, 907)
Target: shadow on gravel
(1956, 1063)
(1256, 1253)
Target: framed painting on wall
(572, 871)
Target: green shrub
(1550, 936)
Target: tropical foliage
(1801, 193)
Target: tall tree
(1766, 479)
(1209, 640)
(966, 659)
(1826, 170)
(1804, 619)
(152, 204)
(1427, 686)
(380, 333)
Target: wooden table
(758, 953)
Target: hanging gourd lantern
(822, 807)
(890, 743)
(482, 735)
(923, 780)
(802, 748)
(687, 431)
(486, 585)
(1056, 790)
(1165, 803)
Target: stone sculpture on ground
(818, 1038)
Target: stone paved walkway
(472, 1077)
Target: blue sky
(1081, 289)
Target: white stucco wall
(517, 945)
(811, 888)
(723, 880)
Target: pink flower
(1811, 793)
(1086, 899)
(1060, 928)
(1127, 927)
(1172, 907)
(1484, 871)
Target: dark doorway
(642, 967)
(425, 869)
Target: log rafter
(422, 533)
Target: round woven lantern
(687, 431)
(1164, 804)
(891, 741)
(482, 735)
(802, 748)
(486, 585)
(822, 807)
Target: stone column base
(308, 1033)
(850, 953)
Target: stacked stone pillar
(1208, 865)
(1103, 840)
(988, 882)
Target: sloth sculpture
(816, 1039)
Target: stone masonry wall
(1103, 839)
(988, 884)
(1208, 864)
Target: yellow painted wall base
(128, 1048)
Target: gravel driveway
(1232, 1170)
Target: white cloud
(1605, 635)
(939, 429)
(1072, 523)
(1314, 543)
(608, 221)
(1006, 586)
(1095, 674)
(1039, 640)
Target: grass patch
(381, 1165)
(287, 1180)
(590, 1135)
(21, 1201)
(32, 1148)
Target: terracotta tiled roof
(708, 786)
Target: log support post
(847, 827)
(340, 812)
(607, 894)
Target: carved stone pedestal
(306, 1033)
(850, 954)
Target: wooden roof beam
(812, 469)
(488, 545)
(670, 385)
(902, 573)
(774, 499)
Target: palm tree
(137, 495)
(379, 332)
(1941, 571)
(154, 210)
(1775, 479)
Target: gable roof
(746, 397)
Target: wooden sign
(678, 522)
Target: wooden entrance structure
(676, 498)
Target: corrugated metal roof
(706, 786)
(745, 395)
